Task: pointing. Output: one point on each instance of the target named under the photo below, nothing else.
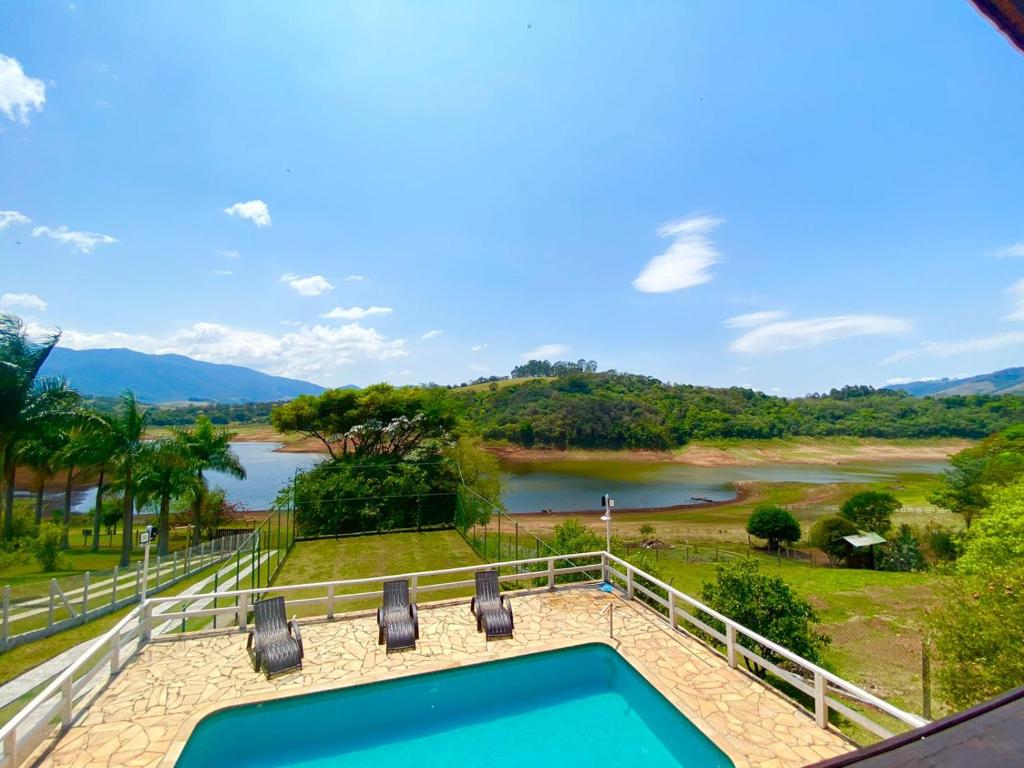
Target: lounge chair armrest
(255, 650)
(380, 617)
(293, 626)
(472, 605)
(415, 620)
(507, 605)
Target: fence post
(53, 594)
(671, 610)
(174, 566)
(85, 595)
(66, 700)
(146, 620)
(330, 602)
(243, 611)
(7, 615)
(630, 589)
(926, 679)
(216, 604)
(730, 644)
(551, 573)
(11, 746)
(138, 578)
(115, 653)
(820, 702)
(414, 584)
(604, 567)
(113, 587)
(157, 585)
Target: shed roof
(864, 539)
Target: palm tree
(208, 449)
(164, 473)
(128, 430)
(26, 400)
(93, 449)
(39, 452)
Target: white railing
(25, 731)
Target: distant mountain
(168, 378)
(1004, 382)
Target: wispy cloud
(1010, 251)
(255, 211)
(82, 242)
(977, 344)
(223, 272)
(801, 334)
(19, 93)
(229, 254)
(356, 313)
(22, 301)
(7, 218)
(316, 352)
(753, 319)
(432, 334)
(354, 278)
(314, 285)
(1016, 292)
(478, 348)
(686, 262)
(544, 351)
(908, 379)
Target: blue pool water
(580, 706)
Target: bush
(997, 537)
(646, 532)
(942, 543)
(871, 511)
(774, 524)
(47, 547)
(903, 553)
(572, 537)
(767, 605)
(827, 535)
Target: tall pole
(607, 518)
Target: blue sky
(788, 196)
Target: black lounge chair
(398, 623)
(492, 609)
(275, 644)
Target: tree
(903, 552)
(997, 460)
(646, 532)
(977, 631)
(775, 524)
(39, 453)
(26, 400)
(479, 470)
(47, 546)
(164, 473)
(93, 448)
(572, 537)
(326, 417)
(128, 445)
(827, 535)
(997, 537)
(871, 511)
(206, 448)
(767, 605)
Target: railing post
(174, 565)
(115, 653)
(730, 644)
(7, 615)
(147, 620)
(630, 589)
(11, 747)
(551, 573)
(157, 585)
(330, 602)
(671, 610)
(66, 700)
(414, 584)
(138, 578)
(604, 568)
(820, 702)
(85, 596)
(243, 611)
(113, 587)
(53, 594)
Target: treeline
(547, 368)
(218, 413)
(620, 410)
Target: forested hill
(616, 410)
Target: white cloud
(800, 334)
(753, 319)
(310, 352)
(19, 93)
(908, 379)
(82, 242)
(977, 344)
(12, 217)
(686, 262)
(313, 285)
(895, 357)
(356, 313)
(544, 351)
(1010, 251)
(223, 272)
(1016, 292)
(354, 278)
(228, 254)
(478, 348)
(23, 301)
(432, 334)
(255, 211)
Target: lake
(563, 486)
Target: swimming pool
(580, 706)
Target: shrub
(774, 524)
(997, 537)
(942, 543)
(646, 531)
(903, 553)
(871, 511)
(47, 547)
(827, 535)
(767, 605)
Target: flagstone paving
(146, 714)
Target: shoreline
(745, 491)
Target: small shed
(865, 540)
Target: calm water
(564, 486)
(581, 706)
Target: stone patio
(145, 715)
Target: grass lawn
(358, 557)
